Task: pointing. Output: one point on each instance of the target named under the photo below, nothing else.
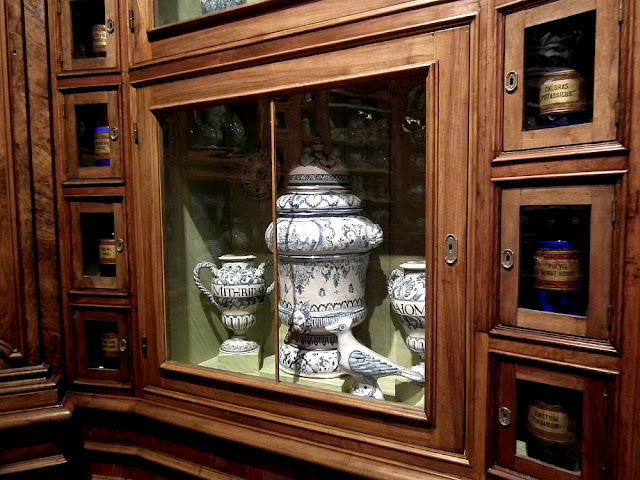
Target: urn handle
(198, 281)
(394, 277)
(260, 269)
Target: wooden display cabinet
(549, 423)
(89, 34)
(560, 74)
(92, 134)
(361, 97)
(102, 338)
(557, 259)
(98, 253)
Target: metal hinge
(58, 8)
(605, 399)
(620, 10)
(144, 347)
(609, 317)
(617, 112)
(135, 132)
(64, 111)
(613, 211)
(132, 22)
(60, 59)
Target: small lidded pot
(558, 276)
(99, 39)
(562, 92)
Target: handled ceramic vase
(407, 291)
(236, 289)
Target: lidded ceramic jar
(407, 291)
(323, 253)
(558, 276)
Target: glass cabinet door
(348, 293)
(102, 344)
(557, 257)
(175, 11)
(92, 135)
(560, 74)
(89, 34)
(297, 224)
(98, 244)
(550, 424)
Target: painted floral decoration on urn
(323, 245)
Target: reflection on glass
(351, 173)
(103, 345)
(98, 244)
(217, 201)
(92, 132)
(174, 11)
(559, 67)
(89, 30)
(555, 258)
(549, 424)
(351, 212)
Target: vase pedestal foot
(243, 362)
(366, 387)
(309, 363)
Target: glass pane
(559, 67)
(549, 424)
(351, 233)
(217, 204)
(98, 244)
(174, 11)
(103, 345)
(554, 268)
(89, 30)
(92, 132)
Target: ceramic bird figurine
(364, 364)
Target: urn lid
(317, 170)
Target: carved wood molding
(27, 388)
(270, 440)
(32, 465)
(157, 458)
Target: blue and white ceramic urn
(236, 289)
(407, 291)
(323, 252)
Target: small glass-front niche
(103, 345)
(99, 252)
(554, 268)
(89, 29)
(93, 135)
(559, 72)
(349, 164)
(556, 258)
(175, 11)
(549, 425)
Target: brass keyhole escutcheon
(451, 249)
(511, 82)
(507, 258)
(504, 416)
(120, 245)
